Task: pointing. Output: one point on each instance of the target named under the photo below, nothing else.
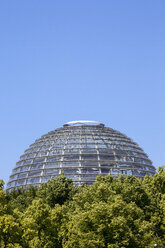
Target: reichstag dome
(82, 150)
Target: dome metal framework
(82, 150)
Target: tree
(56, 191)
(121, 212)
(10, 231)
(99, 217)
(38, 231)
(21, 198)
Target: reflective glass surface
(81, 152)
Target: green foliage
(1, 184)
(56, 191)
(36, 225)
(100, 216)
(10, 230)
(111, 213)
(21, 198)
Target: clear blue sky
(88, 59)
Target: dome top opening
(83, 122)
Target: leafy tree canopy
(123, 212)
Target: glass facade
(82, 150)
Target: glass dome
(82, 150)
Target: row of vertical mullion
(66, 142)
(79, 158)
(96, 144)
